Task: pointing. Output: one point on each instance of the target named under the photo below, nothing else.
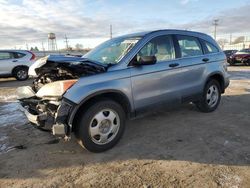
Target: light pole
(215, 23)
(66, 42)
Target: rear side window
(161, 47)
(5, 55)
(189, 46)
(18, 55)
(211, 48)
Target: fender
(221, 79)
(96, 94)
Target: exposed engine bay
(63, 68)
(43, 102)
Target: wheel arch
(114, 95)
(218, 77)
(18, 66)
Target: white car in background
(16, 63)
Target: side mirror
(145, 60)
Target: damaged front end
(43, 102)
(46, 109)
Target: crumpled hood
(77, 65)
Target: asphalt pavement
(12, 82)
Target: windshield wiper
(111, 64)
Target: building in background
(238, 42)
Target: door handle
(173, 65)
(15, 61)
(205, 59)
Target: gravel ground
(177, 148)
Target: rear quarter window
(18, 55)
(210, 48)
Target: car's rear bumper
(238, 61)
(226, 83)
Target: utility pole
(215, 23)
(230, 41)
(67, 42)
(111, 32)
(43, 49)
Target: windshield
(243, 51)
(112, 51)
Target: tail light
(33, 57)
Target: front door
(157, 84)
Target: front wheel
(101, 126)
(211, 97)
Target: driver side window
(161, 47)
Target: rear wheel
(21, 73)
(101, 126)
(211, 97)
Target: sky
(26, 23)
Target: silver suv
(16, 63)
(123, 78)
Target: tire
(248, 62)
(101, 126)
(21, 73)
(232, 63)
(211, 97)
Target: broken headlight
(55, 89)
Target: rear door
(6, 62)
(19, 59)
(193, 64)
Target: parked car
(240, 57)
(16, 63)
(123, 78)
(229, 53)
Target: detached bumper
(35, 119)
(61, 119)
(46, 114)
(57, 122)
